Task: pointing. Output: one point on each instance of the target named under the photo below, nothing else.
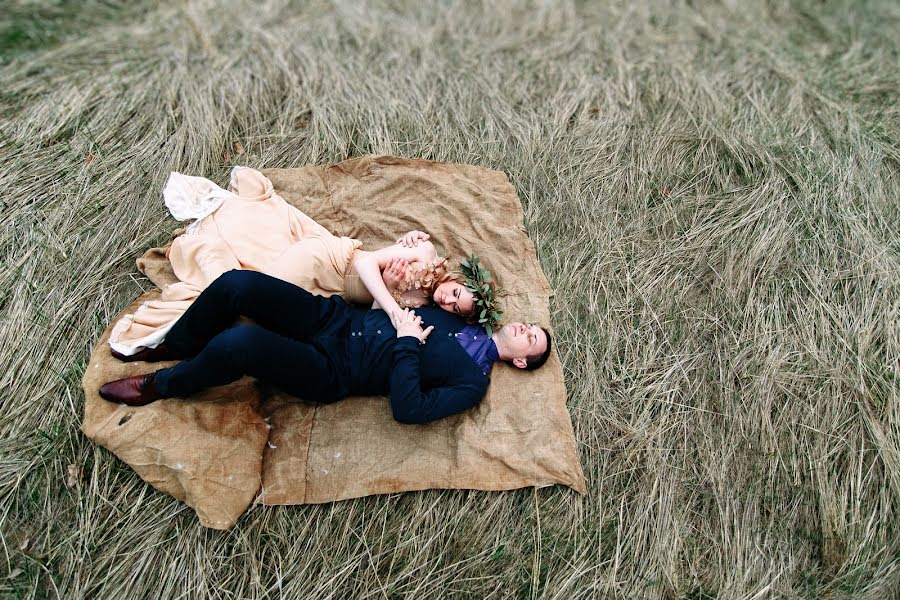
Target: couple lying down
(329, 319)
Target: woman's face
(454, 297)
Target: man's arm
(411, 404)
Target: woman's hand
(413, 238)
(395, 272)
(408, 324)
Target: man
(323, 349)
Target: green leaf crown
(487, 310)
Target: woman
(251, 227)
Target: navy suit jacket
(424, 381)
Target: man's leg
(274, 304)
(295, 367)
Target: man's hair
(537, 360)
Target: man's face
(520, 340)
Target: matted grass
(713, 191)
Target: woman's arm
(369, 266)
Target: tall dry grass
(713, 191)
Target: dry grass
(713, 191)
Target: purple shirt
(479, 345)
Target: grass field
(714, 192)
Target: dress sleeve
(411, 403)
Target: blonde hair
(425, 278)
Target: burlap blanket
(223, 449)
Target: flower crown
(487, 311)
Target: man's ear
(520, 362)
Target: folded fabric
(232, 445)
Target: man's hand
(413, 238)
(408, 324)
(394, 273)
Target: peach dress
(248, 226)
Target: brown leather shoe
(161, 352)
(139, 390)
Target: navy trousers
(280, 348)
